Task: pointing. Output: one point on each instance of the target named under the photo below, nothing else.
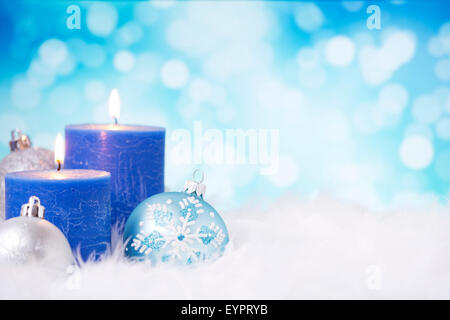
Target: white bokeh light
(146, 68)
(199, 90)
(373, 69)
(95, 91)
(442, 69)
(124, 61)
(352, 6)
(53, 52)
(340, 51)
(443, 129)
(427, 109)
(309, 17)
(399, 48)
(416, 152)
(129, 34)
(145, 13)
(393, 98)
(91, 55)
(67, 67)
(101, 19)
(384, 119)
(23, 95)
(378, 64)
(287, 172)
(363, 120)
(333, 127)
(174, 74)
(444, 36)
(40, 75)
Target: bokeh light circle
(129, 34)
(146, 68)
(352, 6)
(101, 19)
(309, 17)
(340, 51)
(174, 74)
(426, 109)
(399, 48)
(442, 69)
(95, 91)
(393, 98)
(199, 90)
(145, 13)
(124, 61)
(40, 75)
(416, 152)
(53, 52)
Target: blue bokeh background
(363, 115)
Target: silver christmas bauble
(23, 157)
(31, 240)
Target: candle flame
(59, 150)
(114, 105)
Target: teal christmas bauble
(175, 227)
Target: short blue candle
(78, 202)
(134, 155)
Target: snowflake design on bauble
(175, 232)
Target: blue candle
(78, 202)
(134, 155)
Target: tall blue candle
(134, 155)
(78, 202)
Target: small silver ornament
(23, 157)
(31, 240)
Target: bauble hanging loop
(19, 141)
(33, 208)
(193, 186)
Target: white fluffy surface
(294, 250)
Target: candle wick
(59, 166)
(116, 122)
